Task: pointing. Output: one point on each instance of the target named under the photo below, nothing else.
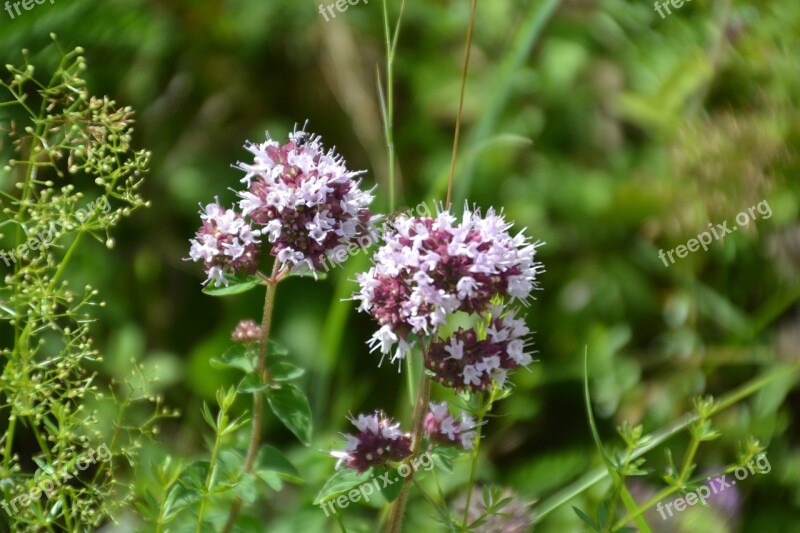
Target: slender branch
(598, 474)
(258, 396)
(467, 51)
(482, 410)
(395, 523)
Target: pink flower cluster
(464, 362)
(302, 198)
(246, 331)
(430, 268)
(225, 243)
(307, 201)
(442, 428)
(378, 442)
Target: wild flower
(225, 243)
(430, 268)
(443, 428)
(305, 200)
(378, 442)
(465, 361)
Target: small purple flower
(378, 442)
(442, 428)
(308, 203)
(430, 268)
(246, 331)
(225, 243)
(465, 362)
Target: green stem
(678, 425)
(678, 485)
(258, 396)
(395, 523)
(457, 135)
(613, 507)
(388, 105)
(221, 423)
(482, 410)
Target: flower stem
(212, 465)
(482, 410)
(467, 50)
(258, 396)
(395, 523)
(388, 105)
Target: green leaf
(309, 274)
(270, 459)
(283, 371)
(246, 488)
(291, 407)
(392, 489)
(276, 350)
(235, 286)
(342, 481)
(237, 356)
(208, 417)
(191, 483)
(270, 478)
(252, 383)
(583, 516)
(619, 483)
(443, 457)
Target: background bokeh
(610, 134)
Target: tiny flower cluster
(225, 243)
(246, 331)
(378, 442)
(303, 199)
(442, 428)
(464, 362)
(430, 268)
(306, 199)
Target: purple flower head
(308, 203)
(225, 243)
(442, 428)
(429, 268)
(378, 442)
(246, 331)
(465, 362)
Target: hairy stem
(395, 523)
(258, 396)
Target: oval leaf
(291, 406)
(235, 286)
(342, 481)
(236, 356)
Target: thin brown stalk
(258, 396)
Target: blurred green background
(610, 134)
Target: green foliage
(74, 176)
(610, 132)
